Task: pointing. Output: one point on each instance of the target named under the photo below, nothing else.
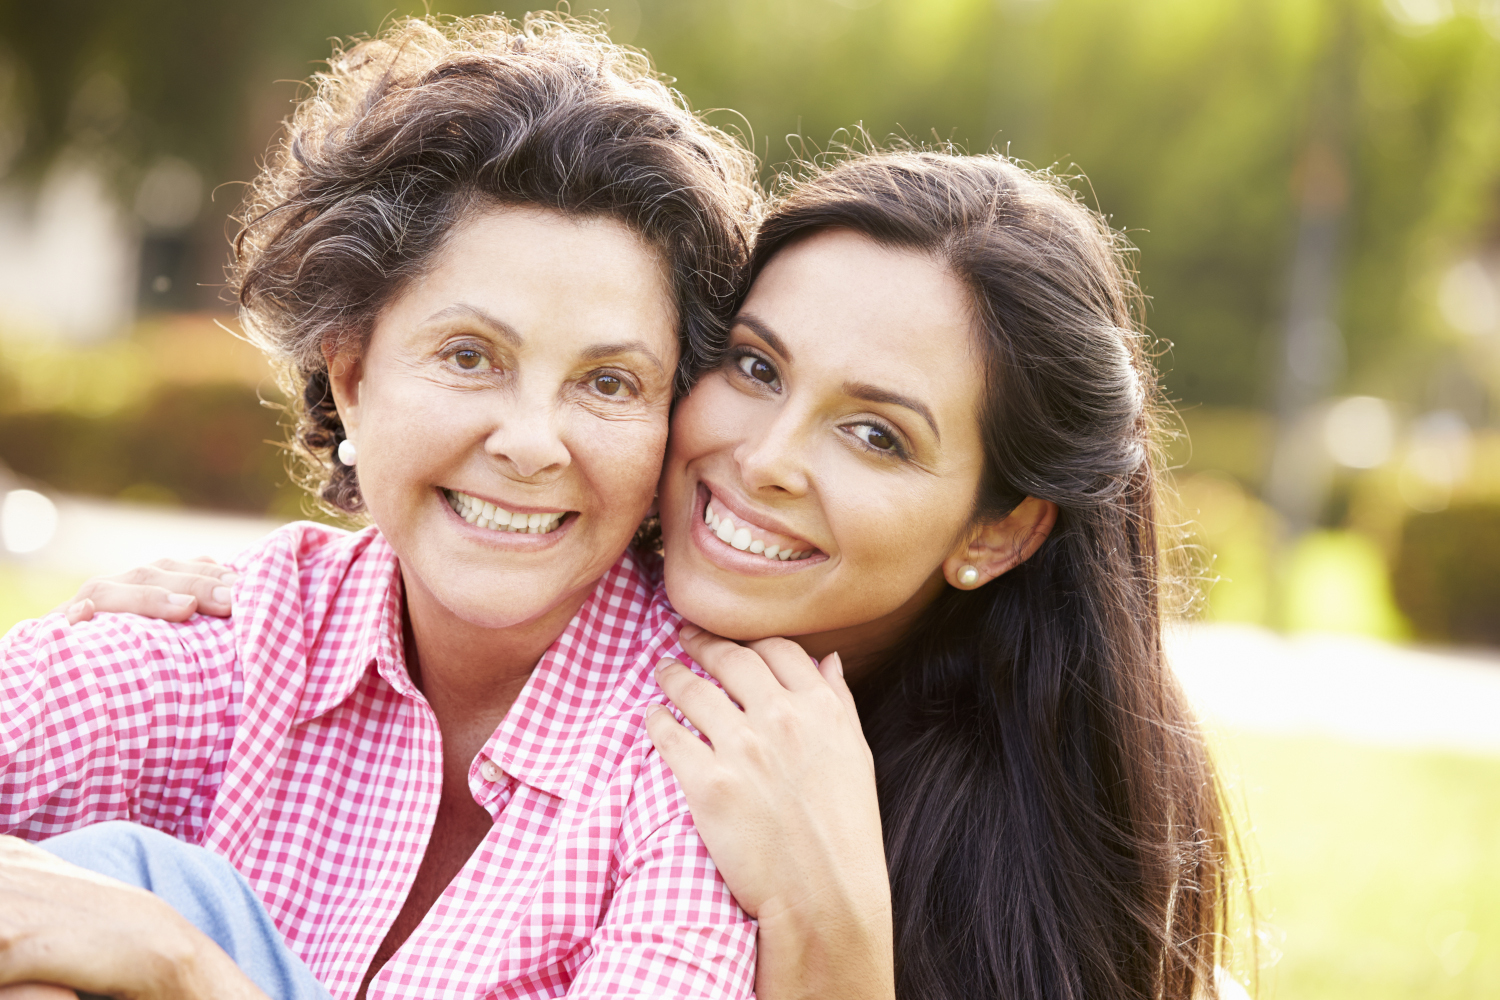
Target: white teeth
(486, 515)
(723, 526)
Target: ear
(998, 546)
(344, 375)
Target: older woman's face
(510, 412)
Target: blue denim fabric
(201, 886)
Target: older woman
(487, 255)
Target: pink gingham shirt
(291, 740)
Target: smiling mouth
(484, 514)
(749, 537)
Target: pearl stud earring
(968, 576)
(347, 453)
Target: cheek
(622, 461)
(706, 421)
(890, 533)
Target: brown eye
(468, 359)
(876, 437)
(758, 368)
(608, 385)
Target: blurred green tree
(1187, 116)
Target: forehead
(850, 309)
(548, 273)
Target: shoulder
(303, 554)
(295, 568)
(312, 569)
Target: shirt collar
(596, 666)
(552, 729)
(365, 605)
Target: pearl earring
(968, 576)
(347, 453)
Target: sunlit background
(1314, 188)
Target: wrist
(826, 950)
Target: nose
(528, 440)
(774, 458)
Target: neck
(860, 647)
(471, 674)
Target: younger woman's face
(842, 428)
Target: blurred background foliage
(1204, 129)
(1314, 189)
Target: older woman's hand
(785, 801)
(68, 926)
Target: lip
(731, 559)
(514, 541)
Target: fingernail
(838, 664)
(181, 600)
(230, 578)
(689, 630)
(664, 664)
(221, 595)
(76, 609)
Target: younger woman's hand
(167, 589)
(785, 801)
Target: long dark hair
(1053, 826)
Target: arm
(119, 718)
(65, 925)
(785, 800)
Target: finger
(36, 991)
(175, 575)
(80, 611)
(743, 673)
(201, 566)
(213, 595)
(684, 753)
(705, 705)
(789, 662)
(832, 669)
(142, 599)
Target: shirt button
(489, 770)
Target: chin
(729, 615)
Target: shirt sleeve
(117, 718)
(672, 929)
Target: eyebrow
(875, 394)
(857, 390)
(599, 351)
(508, 333)
(499, 326)
(765, 333)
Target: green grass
(29, 593)
(1378, 869)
